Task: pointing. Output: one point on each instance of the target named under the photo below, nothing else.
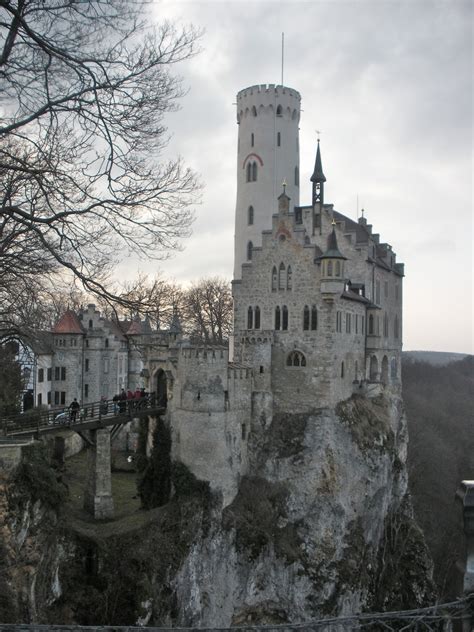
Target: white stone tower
(268, 153)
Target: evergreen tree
(11, 382)
(154, 485)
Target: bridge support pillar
(98, 499)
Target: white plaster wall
(278, 162)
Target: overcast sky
(390, 86)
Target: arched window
(297, 177)
(249, 172)
(295, 358)
(395, 327)
(250, 214)
(250, 318)
(278, 139)
(338, 268)
(91, 324)
(254, 172)
(281, 277)
(284, 319)
(384, 377)
(306, 318)
(374, 369)
(371, 325)
(254, 111)
(314, 318)
(289, 278)
(252, 139)
(249, 251)
(279, 111)
(329, 268)
(385, 325)
(257, 317)
(277, 318)
(342, 369)
(274, 279)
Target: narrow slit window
(306, 318)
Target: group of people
(125, 400)
(134, 400)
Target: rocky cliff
(323, 525)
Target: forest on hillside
(439, 402)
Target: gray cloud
(390, 85)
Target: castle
(317, 314)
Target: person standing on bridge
(74, 409)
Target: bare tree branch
(84, 87)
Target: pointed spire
(283, 200)
(318, 175)
(175, 327)
(318, 179)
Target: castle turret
(332, 266)
(268, 153)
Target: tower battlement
(270, 100)
(217, 357)
(268, 89)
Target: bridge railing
(36, 420)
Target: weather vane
(318, 132)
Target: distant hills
(435, 358)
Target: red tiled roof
(69, 323)
(135, 328)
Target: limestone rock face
(323, 526)
(32, 552)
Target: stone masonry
(317, 317)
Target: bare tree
(208, 310)
(152, 298)
(84, 88)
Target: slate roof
(115, 328)
(352, 296)
(41, 342)
(318, 175)
(332, 251)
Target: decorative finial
(283, 184)
(362, 212)
(318, 132)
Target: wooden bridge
(98, 424)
